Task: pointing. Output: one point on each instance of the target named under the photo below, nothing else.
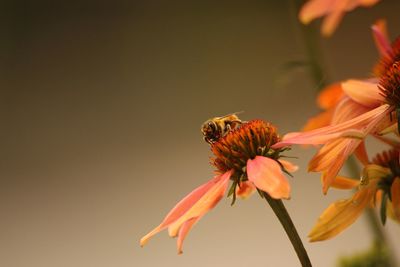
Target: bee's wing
(230, 114)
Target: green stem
(311, 38)
(284, 217)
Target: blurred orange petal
(330, 96)
(314, 9)
(318, 121)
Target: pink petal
(184, 205)
(203, 205)
(184, 231)
(344, 129)
(363, 92)
(266, 174)
(382, 42)
(347, 109)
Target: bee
(215, 128)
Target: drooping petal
(329, 153)
(266, 174)
(288, 166)
(199, 194)
(382, 42)
(245, 189)
(363, 92)
(333, 169)
(395, 192)
(361, 154)
(340, 215)
(341, 182)
(183, 231)
(203, 205)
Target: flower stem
(312, 47)
(284, 217)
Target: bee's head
(208, 128)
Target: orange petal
(361, 154)
(330, 96)
(266, 174)
(363, 92)
(183, 206)
(331, 22)
(395, 192)
(341, 182)
(330, 159)
(313, 9)
(288, 166)
(318, 121)
(340, 215)
(245, 189)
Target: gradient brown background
(101, 104)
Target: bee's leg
(236, 124)
(207, 140)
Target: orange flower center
(386, 62)
(389, 85)
(246, 142)
(388, 159)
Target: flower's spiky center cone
(388, 159)
(386, 62)
(389, 85)
(246, 142)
